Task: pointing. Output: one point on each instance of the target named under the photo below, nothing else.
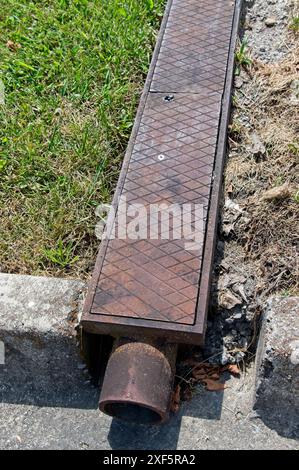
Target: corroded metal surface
(195, 46)
(158, 279)
(175, 156)
(138, 382)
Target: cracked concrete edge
(42, 364)
(33, 307)
(279, 337)
(276, 395)
(45, 387)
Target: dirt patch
(257, 251)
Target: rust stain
(175, 156)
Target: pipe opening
(133, 413)
(138, 381)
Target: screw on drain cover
(168, 98)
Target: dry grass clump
(264, 155)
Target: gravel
(267, 29)
(235, 305)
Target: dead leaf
(214, 386)
(13, 46)
(238, 82)
(231, 279)
(206, 371)
(215, 376)
(199, 375)
(233, 369)
(191, 362)
(176, 399)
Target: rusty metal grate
(194, 50)
(175, 156)
(158, 279)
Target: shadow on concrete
(45, 372)
(51, 374)
(277, 397)
(205, 405)
(282, 418)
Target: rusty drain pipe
(138, 381)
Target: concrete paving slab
(277, 366)
(48, 402)
(42, 365)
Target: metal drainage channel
(152, 295)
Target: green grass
(72, 72)
(242, 58)
(294, 24)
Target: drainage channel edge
(175, 156)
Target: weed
(294, 148)
(242, 58)
(61, 255)
(236, 130)
(294, 24)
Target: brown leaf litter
(13, 46)
(203, 373)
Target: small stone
(238, 82)
(243, 343)
(228, 301)
(224, 359)
(239, 356)
(257, 146)
(280, 192)
(270, 22)
(238, 316)
(294, 358)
